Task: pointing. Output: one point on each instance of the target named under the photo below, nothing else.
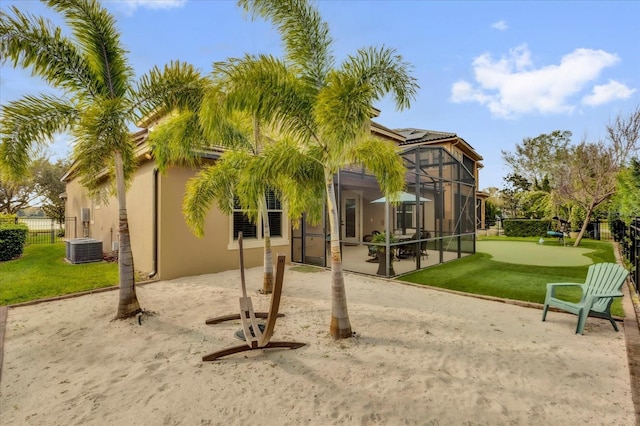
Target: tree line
(551, 177)
(40, 187)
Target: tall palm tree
(234, 121)
(99, 103)
(328, 111)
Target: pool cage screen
(431, 222)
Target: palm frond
(305, 34)
(94, 28)
(100, 133)
(343, 111)
(29, 123)
(177, 86)
(178, 139)
(298, 177)
(381, 158)
(33, 43)
(222, 125)
(252, 186)
(215, 183)
(385, 72)
(265, 87)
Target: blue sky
(492, 72)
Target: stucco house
(442, 168)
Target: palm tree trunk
(340, 326)
(267, 284)
(128, 305)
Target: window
(249, 230)
(469, 164)
(274, 210)
(404, 216)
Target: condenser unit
(84, 250)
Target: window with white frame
(250, 230)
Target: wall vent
(84, 250)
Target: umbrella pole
(404, 218)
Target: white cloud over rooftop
(513, 85)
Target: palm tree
(328, 110)
(99, 102)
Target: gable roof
(431, 137)
(383, 131)
(413, 136)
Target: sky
(492, 72)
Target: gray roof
(420, 135)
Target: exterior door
(351, 217)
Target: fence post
(635, 232)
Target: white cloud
(608, 92)
(463, 91)
(512, 85)
(500, 26)
(130, 6)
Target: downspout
(154, 217)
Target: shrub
(7, 219)
(382, 239)
(12, 239)
(526, 227)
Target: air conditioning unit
(84, 250)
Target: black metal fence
(44, 230)
(628, 236)
(599, 230)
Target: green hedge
(7, 219)
(12, 239)
(526, 227)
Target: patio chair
(604, 282)
(413, 249)
(256, 335)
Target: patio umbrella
(403, 198)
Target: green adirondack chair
(604, 282)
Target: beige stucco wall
(103, 224)
(74, 203)
(181, 253)
(140, 213)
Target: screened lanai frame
(434, 223)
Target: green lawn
(42, 272)
(481, 274)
